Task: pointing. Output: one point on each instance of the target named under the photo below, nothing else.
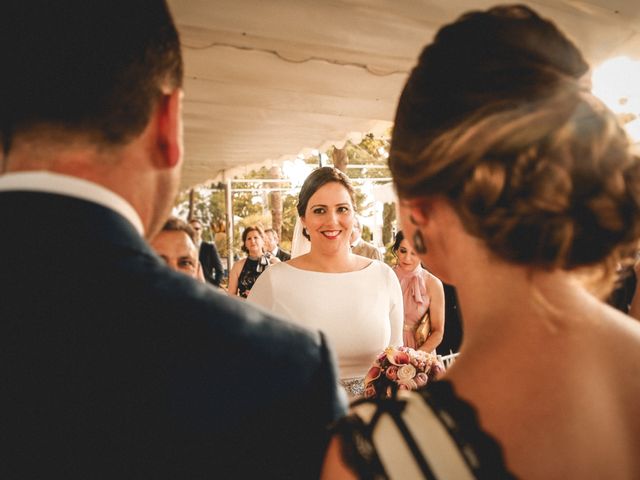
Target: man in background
(175, 244)
(271, 245)
(208, 255)
(359, 246)
(112, 364)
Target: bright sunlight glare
(617, 83)
(296, 171)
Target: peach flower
(406, 372)
(373, 373)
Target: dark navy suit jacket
(282, 255)
(211, 263)
(114, 366)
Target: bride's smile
(329, 215)
(332, 234)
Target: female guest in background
(245, 272)
(421, 292)
(517, 186)
(356, 301)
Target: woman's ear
(418, 215)
(424, 212)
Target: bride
(355, 301)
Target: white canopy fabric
(267, 80)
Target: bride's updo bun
(494, 118)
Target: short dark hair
(397, 241)
(175, 224)
(246, 232)
(90, 68)
(316, 179)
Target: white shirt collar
(42, 181)
(274, 251)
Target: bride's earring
(419, 243)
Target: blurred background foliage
(254, 203)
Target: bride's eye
(318, 211)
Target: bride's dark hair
(496, 119)
(316, 179)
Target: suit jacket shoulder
(283, 255)
(162, 366)
(211, 263)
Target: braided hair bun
(495, 118)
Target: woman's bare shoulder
(432, 280)
(622, 331)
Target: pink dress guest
(421, 290)
(416, 300)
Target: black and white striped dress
(429, 434)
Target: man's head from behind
(94, 76)
(175, 244)
(92, 68)
(196, 226)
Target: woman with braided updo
(517, 186)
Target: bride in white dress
(355, 301)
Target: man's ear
(169, 117)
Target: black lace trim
(481, 452)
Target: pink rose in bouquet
(391, 372)
(401, 368)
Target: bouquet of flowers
(401, 368)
